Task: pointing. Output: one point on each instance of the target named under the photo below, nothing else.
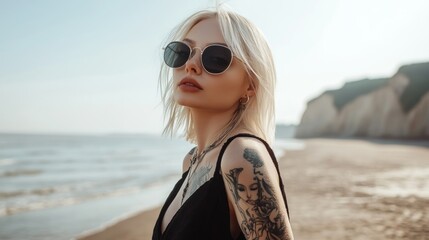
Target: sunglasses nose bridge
(193, 52)
(192, 63)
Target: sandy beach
(338, 189)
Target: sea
(63, 186)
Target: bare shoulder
(187, 160)
(247, 152)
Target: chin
(186, 100)
(188, 103)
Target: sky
(87, 66)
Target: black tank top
(205, 214)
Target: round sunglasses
(215, 58)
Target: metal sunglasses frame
(192, 53)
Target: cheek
(228, 89)
(177, 75)
(225, 92)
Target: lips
(189, 82)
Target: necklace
(198, 158)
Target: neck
(208, 124)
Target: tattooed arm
(254, 192)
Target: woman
(217, 84)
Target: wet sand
(339, 189)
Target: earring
(245, 101)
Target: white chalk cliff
(396, 107)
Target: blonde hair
(247, 44)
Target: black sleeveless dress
(205, 214)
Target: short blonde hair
(248, 44)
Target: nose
(193, 65)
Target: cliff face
(388, 107)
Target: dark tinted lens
(216, 59)
(176, 54)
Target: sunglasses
(215, 58)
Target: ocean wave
(7, 162)
(46, 191)
(49, 203)
(11, 194)
(35, 192)
(20, 172)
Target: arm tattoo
(256, 203)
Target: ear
(250, 91)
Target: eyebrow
(192, 42)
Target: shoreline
(127, 227)
(124, 219)
(348, 183)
